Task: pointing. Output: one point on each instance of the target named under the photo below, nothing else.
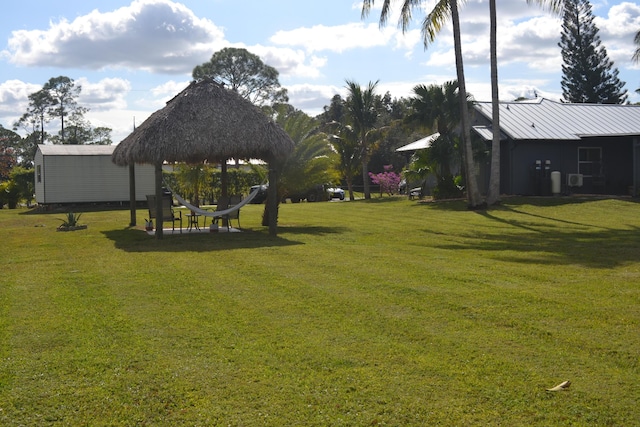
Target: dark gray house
(592, 148)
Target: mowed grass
(386, 312)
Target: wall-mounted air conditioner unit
(574, 179)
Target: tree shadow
(511, 202)
(135, 240)
(132, 239)
(310, 230)
(554, 242)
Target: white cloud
(290, 62)
(154, 35)
(617, 32)
(14, 100)
(341, 38)
(312, 98)
(109, 93)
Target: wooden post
(132, 194)
(272, 202)
(224, 183)
(159, 195)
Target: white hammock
(216, 214)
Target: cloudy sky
(131, 56)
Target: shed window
(590, 161)
(39, 173)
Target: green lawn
(387, 312)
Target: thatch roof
(204, 122)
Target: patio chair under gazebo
(206, 122)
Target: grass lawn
(381, 312)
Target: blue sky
(131, 56)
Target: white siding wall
(90, 178)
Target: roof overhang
(486, 132)
(420, 144)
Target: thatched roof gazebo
(206, 122)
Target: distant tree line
(57, 101)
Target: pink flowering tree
(389, 181)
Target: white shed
(86, 174)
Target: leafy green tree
(245, 73)
(83, 134)
(100, 135)
(37, 114)
(588, 75)
(63, 94)
(9, 143)
(437, 108)
(334, 112)
(7, 162)
(24, 181)
(192, 178)
(362, 114)
(441, 12)
(393, 133)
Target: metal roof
(420, 144)
(544, 119)
(76, 150)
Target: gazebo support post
(132, 194)
(224, 184)
(159, 221)
(272, 202)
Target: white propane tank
(555, 183)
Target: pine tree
(588, 75)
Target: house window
(39, 173)
(590, 161)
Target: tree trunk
(493, 196)
(224, 184)
(272, 202)
(473, 195)
(132, 195)
(365, 180)
(350, 189)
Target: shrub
(447, 189)
(388, 180)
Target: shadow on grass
(136, 240)
(311, 230)
(554, 242)
(78, 208)
(461, 204)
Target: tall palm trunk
(365, 168)
(473, 195)
(493, 196)
(350, 188)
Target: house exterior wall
(87, 179)
(518, 160)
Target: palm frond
(553, 6)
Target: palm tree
(344, 142)
(362, 113)
(493, 195)
(636, 54)
(442, 11)
(438, 107)
(310, 162)
(192, 177)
